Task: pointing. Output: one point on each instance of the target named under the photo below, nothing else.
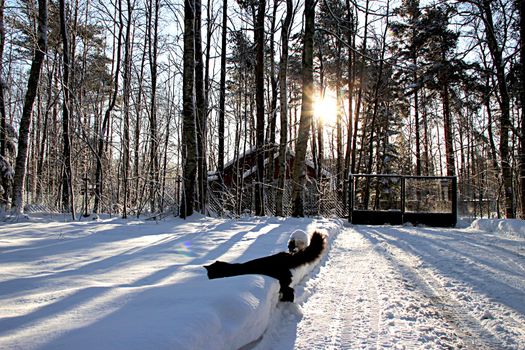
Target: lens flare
(184, 249)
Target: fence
(395, 199)
(320, 199)
(376, 197)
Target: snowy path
(409, 288)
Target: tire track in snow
(466, 327)
(363, 299)
(344, 294)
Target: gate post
(403, 198)
(350, 197)
(455, 200)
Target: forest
(233, 107)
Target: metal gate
(398, 199)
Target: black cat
(277, 266)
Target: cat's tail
(311, 252)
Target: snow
(509, 227)
(134, 284)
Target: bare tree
(68, 195)
(299, 175)
(126, 81)
(139, 107)
(201, 111)
(521, 8)
(153, 24)
(39, 53)
(4, 178)
(283, 101)
(259, 96)
(102, 132)
(360, 91)
(189, 133)
(222, 93)
(272, 124)
(485, 9)
(350, 36)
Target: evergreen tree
(408, 47)
(442, 69)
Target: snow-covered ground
(130, 284)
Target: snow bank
(508, 227)
(118, 284)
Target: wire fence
(321, 198)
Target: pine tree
(409, 47)
(442, 69)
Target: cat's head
(216, 269)
(298, 241)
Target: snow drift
(116, 284)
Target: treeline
(134, 106)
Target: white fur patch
(300, 238)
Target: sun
(325, 108)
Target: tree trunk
(447, 126)
(350, 72)
(25, 120)
(126, 111)
(45, 125)
(189, 142)
(153, 134)
(521, 6)
(426, 147)
(299, 175)
(102, 133)
(273, 101)
(138, 110)
(259, 96)
(68, 195)
(283, 101)
(504, 101)
(222, 94)
(360, 92)
(416, 117)
(4, 179)
(339, 125)
(201, 111)
(377, 90)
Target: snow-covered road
(409, 288)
